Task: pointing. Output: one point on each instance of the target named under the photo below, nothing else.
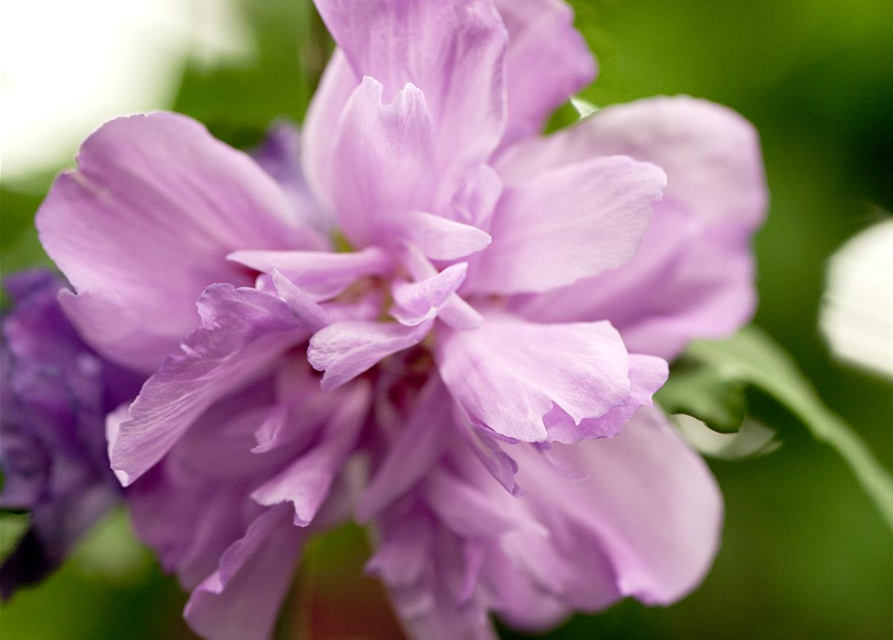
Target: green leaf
(753, 357)
(702, 392)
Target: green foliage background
(805, 554)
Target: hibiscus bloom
(504, 310)
(56, 392)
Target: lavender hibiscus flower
(56, 393)
(488, 347)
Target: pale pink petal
(568, 223)
(548, 61)
(243, 331)
(344, 350)
(420, 301)
(441, 238)
(144, 225)
(508, 374)
(321, 274)
(647, 374)
(452, 50)
(649, 502)
(711, 154)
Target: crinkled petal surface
(243, 331)
(508, 374)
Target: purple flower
(488, 347)
(56, 393)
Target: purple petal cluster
(472, 379)
(56, 392)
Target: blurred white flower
(857, 314)
(66, 67)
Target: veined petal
(242, 332)
(508, 374)
(566, 224)
(385, 162)
(144, 225)
(452, 50)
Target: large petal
(687, 282)
(144, 225)
(548, 61)
(242, 332)
(453, 50)
(568, 223)
(241, 600)
(711, 154)
(508, 374)
(649, 503)
(384, 154)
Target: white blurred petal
(857, 314)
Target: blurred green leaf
(753, 357)
(703, 392)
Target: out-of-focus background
(805, 554)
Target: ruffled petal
(420, 301)
(508, 374)
(452, 50)
(647, 374)
(568, 223)
(344, 350)
(385, 159)
(243, 331)
(144, 225)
